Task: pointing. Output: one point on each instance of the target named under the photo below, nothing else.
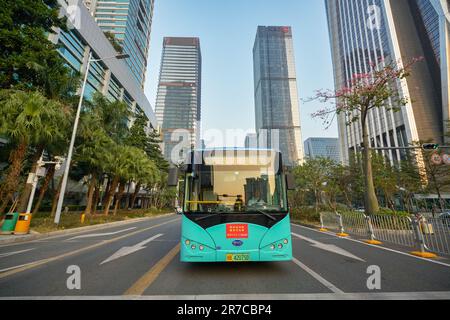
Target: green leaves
(25, 50)
(31, 117)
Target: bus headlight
(280, 246)
(187, 242)
(193, 247)
(285, 241)
(272, 247)
(201, 248)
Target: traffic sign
(436, 159)
(446, 159)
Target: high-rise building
(323, 148)
(251, 141)
(276, 96)
(178, 101)
(367, 33)
(130, 22)
(111, 77)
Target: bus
(234, 206)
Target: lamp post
(74, 132)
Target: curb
(36, 236)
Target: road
(142, 260)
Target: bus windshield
(235, 187)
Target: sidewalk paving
(33, 235)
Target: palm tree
(28, 119)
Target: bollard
(322, 227)
(420, 241)
(83, 216)
(372, 239)
(341, 227)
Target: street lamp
(74, 132)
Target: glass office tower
(130, 22)
(369, 32)
(110, 77)
(323, 148)
(178, 101)
(276, 96)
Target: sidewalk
(6, 239)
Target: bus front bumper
(235, 256)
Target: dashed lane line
(318, 277)
(14, 270)
(374, 246)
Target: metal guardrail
(436, 234)
(417, 232)
(393, 229)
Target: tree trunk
(110, 194)
(119, 197)
(96, 198)
(26, 193)
(370, 197)
(135, 193)
(12, 179)
(56, 197)
(48, 178)
(90, 194)
(5, 203)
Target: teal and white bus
(235, 207)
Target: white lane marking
(378, 247)
(264, 297)
(15, 267)
(129, 250)
(2, 255)
(318, 277)
(328, 247)
(93, 235)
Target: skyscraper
(372, 32)
(178, 101)
(111, 77)
(323, 148)
(130, 22)
(276, 96)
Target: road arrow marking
(328, 247)
(2, 255)
(129, 250)
(93, 235)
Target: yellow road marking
(147, 279)
(68, 254)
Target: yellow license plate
(242, 257)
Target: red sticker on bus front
(237, 231)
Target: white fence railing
(418, 232)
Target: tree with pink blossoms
(364, 92)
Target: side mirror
(173, 177)
(290, 181)
(178, 210)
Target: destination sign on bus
(237, 231)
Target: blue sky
(227, 30)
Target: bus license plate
(242, 257)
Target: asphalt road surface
(141, 260)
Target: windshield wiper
(266, 214)
(208, 216)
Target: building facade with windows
(276, 94)
(130, 22)
(251, 141)
(178, 100)
(110, 77)
(367, 33)
(323, 148)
